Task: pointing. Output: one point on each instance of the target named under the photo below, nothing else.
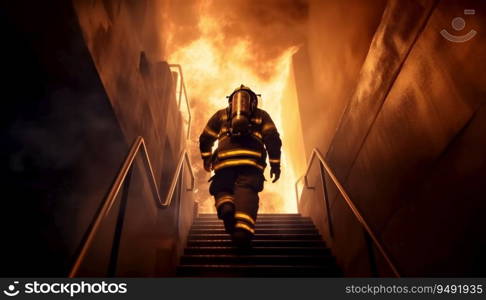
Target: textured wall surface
(326, 68)
(85, 79)
(407, 148)
(62, 144)
(141, 91)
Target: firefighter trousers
(239, 186)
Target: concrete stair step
(232, 270)
(263, 236)
(259, 215)
(285, 245)
(258, 226)
(257, 243)
(257, 231)
(319, 250)
(258, 221)
(223, 259)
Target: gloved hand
(207, 164)
(274, 172)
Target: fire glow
(212, 70)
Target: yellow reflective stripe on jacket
(237, 152)
(274, 160)
(210, 132)
(243, 216)
(206, 154)
(244, 226)
(237, 162)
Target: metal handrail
(182, 87)
(354, 209)
(138, 144)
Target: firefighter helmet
(244, 88)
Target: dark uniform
(239, 162)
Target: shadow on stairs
(285, 245)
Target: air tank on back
(241, 111)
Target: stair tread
(274, 250)
(266, 243)
(264, 219)
(255, 255)
(257, 231)
(220, 224)
(256, 228)
(283, 217)
(235, 270)
(253, 266)
(259, 222)
(258, 236)
(257, 259)
(274, 228)
(259, 215)
(258, 241)
(256, 248)
(284, 245)
(260, 219)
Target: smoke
(222, 44)
(268, 27)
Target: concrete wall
(327, 67)
(85, 79)
(409, 147)
(326, 70)
(123, 40)
(61, 142)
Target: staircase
(285, 245)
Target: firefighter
(245, 134)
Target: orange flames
(212, 69)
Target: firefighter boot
(227, 212)
(225, 208)
(242, 238)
